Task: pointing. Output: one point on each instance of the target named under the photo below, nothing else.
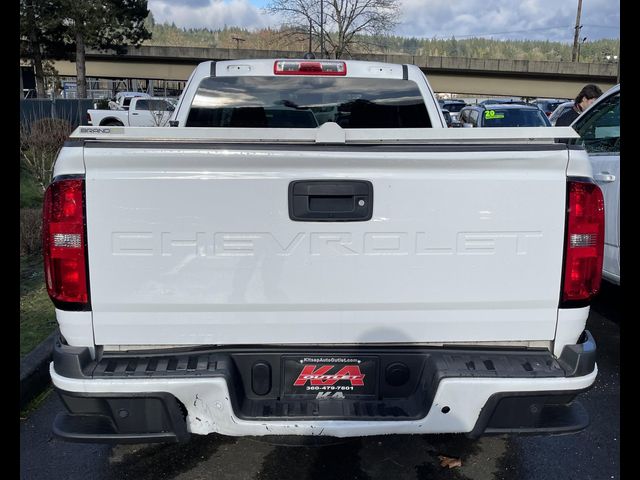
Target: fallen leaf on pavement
(449, 462)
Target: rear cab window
(307, 102)
(153, 104)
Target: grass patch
(37, 314)
(31, 193)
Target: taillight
(584, 248)
(64, 244)
(298, 67)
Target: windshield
(307, 102)
(514, 117)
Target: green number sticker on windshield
(491, 114)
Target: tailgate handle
(330, 200)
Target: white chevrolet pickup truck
(312, 252)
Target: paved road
(592, 454)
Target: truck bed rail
(328, 133)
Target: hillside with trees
(287, 39)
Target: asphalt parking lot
(592, 454)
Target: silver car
(560, 109)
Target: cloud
(531, 19)
(211, 13)
(500, 19)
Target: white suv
(599, 129)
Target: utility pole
(576, 34)
(321, 28)
(618, 78)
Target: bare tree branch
(344, 20)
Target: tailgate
(193, 244)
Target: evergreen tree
(103, 25)
(40, 34)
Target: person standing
(585, 98)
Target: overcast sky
(499, 19)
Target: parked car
(503, 115)
(560, 109)
(548, 105)
(599, 130)
(454, 107)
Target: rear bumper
(121, 399)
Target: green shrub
(31, 194)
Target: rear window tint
(307, 102)
(454, 107)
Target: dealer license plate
(332, 376)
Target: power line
(600, 26)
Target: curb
(34, 370)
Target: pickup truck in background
(368, 272)
(142, 112)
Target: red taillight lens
(64, 244)
(296, 67)
(584, 241)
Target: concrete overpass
(468, 76)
